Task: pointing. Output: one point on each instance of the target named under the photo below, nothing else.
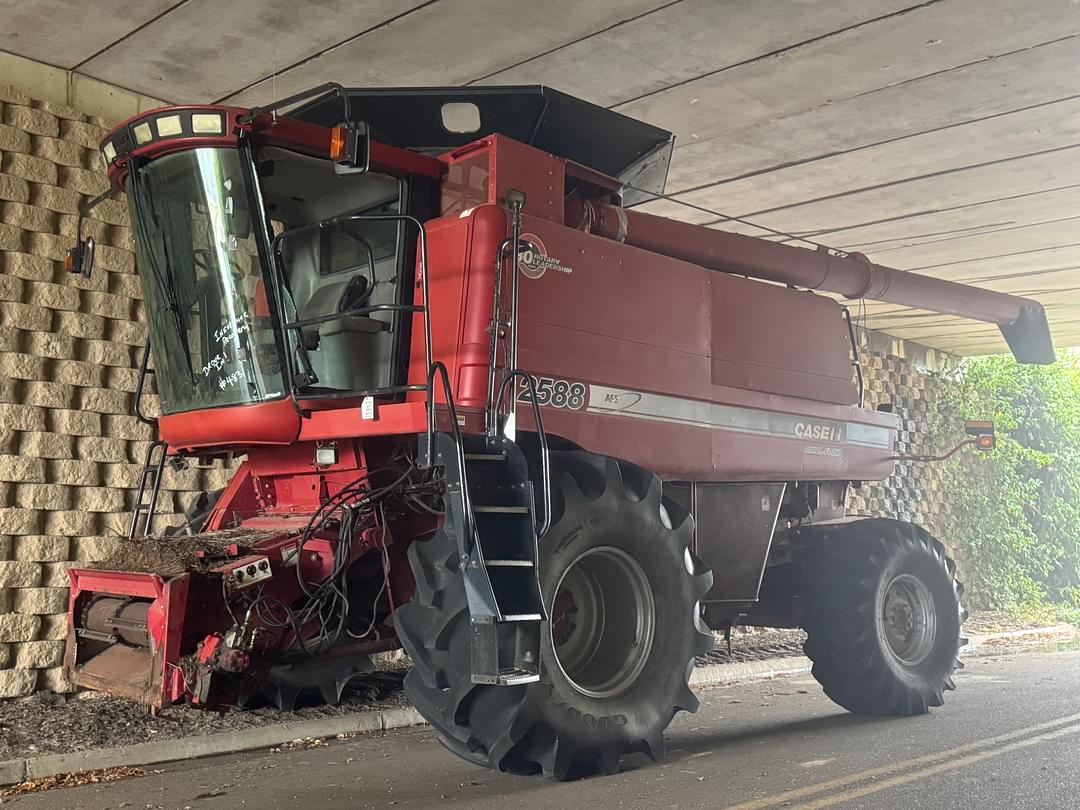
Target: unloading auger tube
(1022, 321)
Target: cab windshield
(213, 339)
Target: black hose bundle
(320, 619)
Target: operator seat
(347, 352)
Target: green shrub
(1017, 513)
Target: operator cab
(278, 253)
(269, 270)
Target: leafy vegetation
(1017, 514)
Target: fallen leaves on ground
(66, 780)
(1027, 638)
(299, 745)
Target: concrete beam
(233, 45)
(452, 42)
(680, 42)
(66, 33)
(87, 95)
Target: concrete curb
(229, 742)
(727, 674)
(152, 753)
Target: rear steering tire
(883, 617)
(621, 587)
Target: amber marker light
(338, 143)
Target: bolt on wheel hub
(907, 620)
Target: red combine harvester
(489, 414)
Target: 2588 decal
(555, 393)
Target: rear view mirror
(80, 259)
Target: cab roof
(438, 119)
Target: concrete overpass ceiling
(941, 136)
(67, 33)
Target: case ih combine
(487, 413)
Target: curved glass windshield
(210, 327)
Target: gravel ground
(53, 724)
(48, 724)
(755, 644)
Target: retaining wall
(70, 451)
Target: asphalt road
(1008, 738)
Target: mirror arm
(80, 259)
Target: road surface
(1008, 738)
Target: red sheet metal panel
(629, 344)
(779, 341)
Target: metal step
(492, 457)
(146, 497)
(516, 677)
(490, 507)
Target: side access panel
(734, 527)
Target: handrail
(855, 359)
(492, 415)
(320, 91)
(459, 447)
(516, 205)
(144, 369)
(516, 201)
(545, 460)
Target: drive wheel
(883, 616)
(621, 588)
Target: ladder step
(509, 563)
(485, 456)
(521, 617)
(516, 677)
(502, 510)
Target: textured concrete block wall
(918, 492)
(70, 451)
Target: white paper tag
(367, 408)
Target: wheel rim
(907, 620)
(603, 621)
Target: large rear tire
(621, 587)
(882, 612)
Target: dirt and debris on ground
(303, 744)
(754, 644)
(68, 780)
(175, 554)
(48, 723)
(982, 622)
(52, 724)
